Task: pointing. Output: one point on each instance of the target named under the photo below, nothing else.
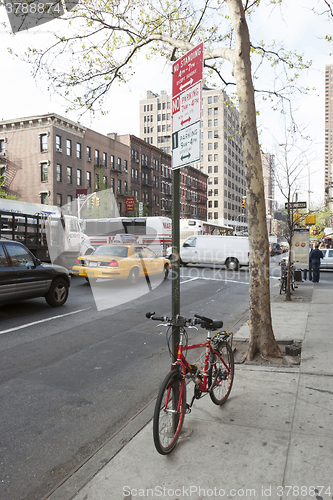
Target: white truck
(231, 251)
(49, 234)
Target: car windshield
(112, 251)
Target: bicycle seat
(213, 324)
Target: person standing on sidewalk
(315, 257)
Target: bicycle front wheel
(169, 412)
(221, 374)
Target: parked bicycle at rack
(284, 276)
(214, 377)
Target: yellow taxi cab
(121, 261)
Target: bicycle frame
(187, 368)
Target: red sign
(129, 203)
(187, 71)
(81, 192)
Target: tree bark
(261, 339)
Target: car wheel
(133, 276)
(232, 265)
(58, 293)
(166, 271)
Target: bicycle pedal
(188, 409)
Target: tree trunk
(261, 339)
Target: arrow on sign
(185, 156)
(189, 83)
(184, 121)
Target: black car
(22, 276)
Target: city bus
(193, 227)
(153, 231)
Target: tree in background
(104, 40)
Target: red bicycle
(215, 377)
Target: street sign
(187, 71)
(295, 204)
(186, 145)
(140, 208)
(186, 108)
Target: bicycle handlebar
(207, 323)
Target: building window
(69, 202)
(104, 160)
(210, 100)
(96, 157)
(210, 111)
(69, 147)
(119, 186)
(44, 198)
(88, 153)
(79, 177)
(125, 165)
(58, 143)
(88, 179)
(112, 161)
(105, 181)
(112, 185)
(59, 174)
(59, 199)
(44, 172)
(43, 142)
(210, 145)
(69, 175)
(78, 151)
(119, 164)
(216, 98)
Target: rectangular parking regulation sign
(186, 145)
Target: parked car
(23, 276)
(327, 261)
(119, 261)
(231, 251)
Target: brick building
(49, 159)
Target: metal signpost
(186, 119)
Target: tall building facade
(268, 168)
(221, 150)
(329, 136)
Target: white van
(233, 251)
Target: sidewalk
(272, 439)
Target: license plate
(93, 264)
(90, 273)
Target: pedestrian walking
(315, 257)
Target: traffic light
(97, 201)
(244, 204)
(314, 232)
(93, 201)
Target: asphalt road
(72, 376)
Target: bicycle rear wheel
(169, 412)
(221, 374)
(283, 284)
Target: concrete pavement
(272, 439)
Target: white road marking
(213, 279)
(42, 321)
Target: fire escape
(9, 165)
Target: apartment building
(151, 181)
(221, 153)
(49, 159)
(329, 136)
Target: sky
(297, 27)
